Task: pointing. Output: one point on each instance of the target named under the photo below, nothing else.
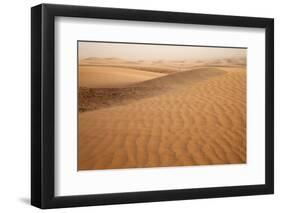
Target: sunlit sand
(170, 113)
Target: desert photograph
(160, 105)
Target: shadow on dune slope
(99, 98)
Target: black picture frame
(43, 102)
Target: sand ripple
(194, 124)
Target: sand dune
(163, 66)
(181, 79)
(199, 121)
(111, 77)
(97, 98)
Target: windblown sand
(193, 117)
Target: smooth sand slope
(199, 120)
(112, 77)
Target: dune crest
(98, 98)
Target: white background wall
(15, 105)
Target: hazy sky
(155, 52)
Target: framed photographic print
(139, 106)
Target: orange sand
(199, 118)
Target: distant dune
(163, 66)
(195, 116)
